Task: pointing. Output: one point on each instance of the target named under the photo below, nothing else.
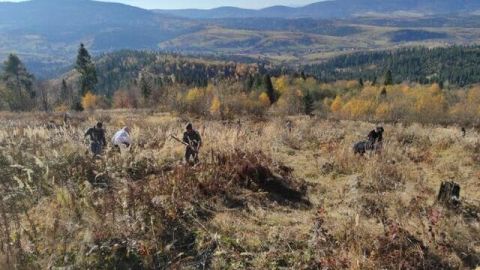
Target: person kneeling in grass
(122, 138)
(97, 139)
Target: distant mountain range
(337, 9)
(46, 33)
(108, 25)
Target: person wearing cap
(122, 138)
(193, 141)
(97, 138)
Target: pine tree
(86, 68)
(388, 78)
(249, 81)
(19, 83)
(441, 84)
(257, 81)
(42, 88)
(77, 104)
(308, 103)
(65, 95)
(383, 93)
(267, 80)
(303, 76)
(145, 88)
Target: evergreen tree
(258, 81)
(76, 104)
(19, 83)
(65, 95)
(267, 80)
(388, 78)
(145, 88)
(303, 76)
(308, 103)
(383, 93)
(86, 68)
(42, 88)
(249, 81)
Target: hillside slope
(143, 209)
(338, 9)
(455, 65)
(46, 33)
(123, 70)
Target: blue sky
(176, 4)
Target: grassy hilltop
(145, 210)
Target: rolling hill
(338, 9)
(120, 70)
(46, 33)
(456, 65)
(102, 23)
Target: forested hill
(123, 69)
(45, 34)
(456, 65)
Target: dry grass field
(261, 198)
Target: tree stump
(449, 194)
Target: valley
(49, 45)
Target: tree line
(133, 79)
(123, 78)
(20, 91)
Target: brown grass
(243, 207)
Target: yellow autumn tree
(193, 95)
(467, 109)
(197, 101)
(352, 84)
(216, 105)
(430, 104)
(435, 89)
(359, 108)
(473, 101)
(383, 111)
(291, 102)
(337, 104)
(281, 84)
(89, 101)
(264, 100)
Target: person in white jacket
(122, 137)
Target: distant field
(307, 48)
(289, 42)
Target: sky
(205, 4)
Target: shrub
(89, 101)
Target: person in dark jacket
(194, 142)
(97, 138)
(374, 142)
(375, 138)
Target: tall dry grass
(145, 209)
